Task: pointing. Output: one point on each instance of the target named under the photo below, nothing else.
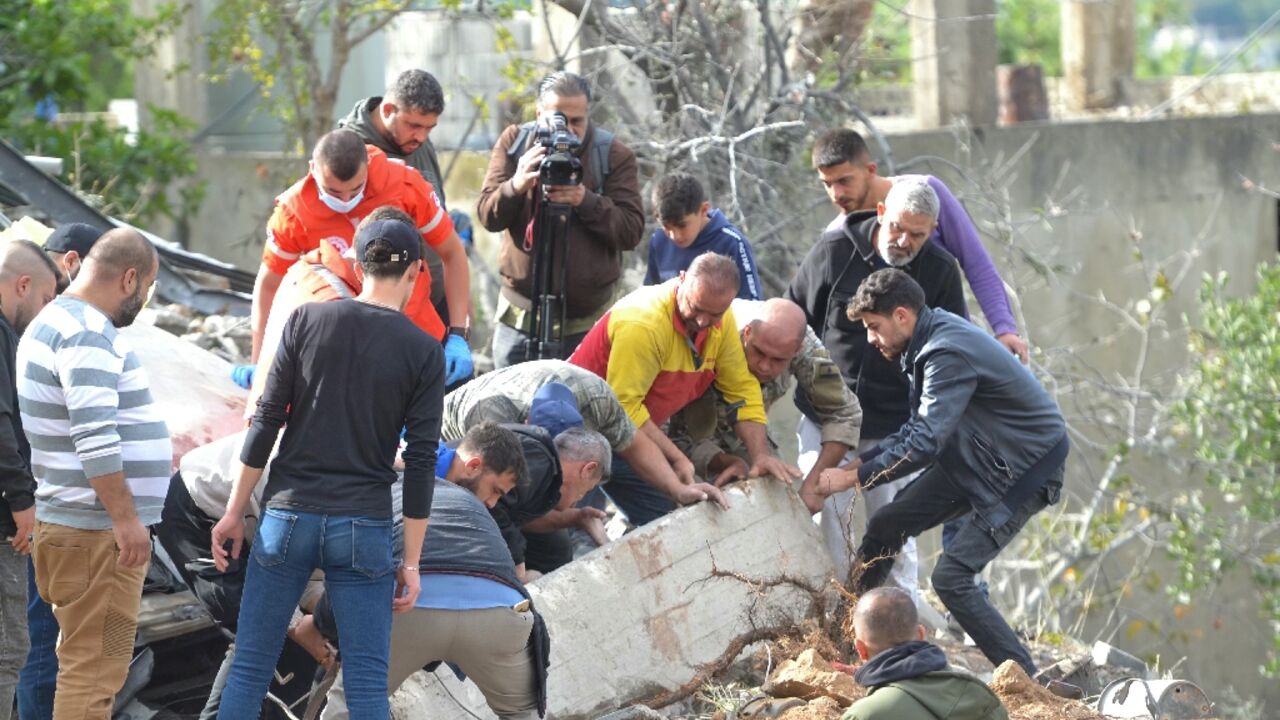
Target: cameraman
(606, 217)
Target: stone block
(641, 614)
(810, 676)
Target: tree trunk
(824, 25)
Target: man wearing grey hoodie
(908, 678)
(399, 124)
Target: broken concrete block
(643, 614)
(1025, 699)
(810, 676)
(1107, 654)
(824, 708)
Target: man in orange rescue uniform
(347, 181)
(322, 275)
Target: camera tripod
(546, 299)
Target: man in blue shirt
(689, 227)
(474, 612)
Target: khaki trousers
(491, 646)
(96, 603)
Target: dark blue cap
(73, 236)
(554, 409)
(406, 243)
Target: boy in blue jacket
(689, 227)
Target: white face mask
(339, 206)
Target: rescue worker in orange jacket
(326, 274)
(348, 180)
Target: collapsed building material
(642, 615)
(191, 386)
(1025, 699)
(823, 708)
(809, 676)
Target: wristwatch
(462, 332)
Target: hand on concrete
(594, 528)
(134, 543)
(585, 516)
(527, 169)
(700, 492)
(836, 480)
(26, 522)
(737, 470)
(229, 528)
(684, 471)
(1016, 345)
(570, 195)
(770, 465)
(408, 585)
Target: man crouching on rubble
(988, 436)
(328, 503)
(473, 611)
(906, 677)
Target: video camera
(559, 166)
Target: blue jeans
(39, 676)
(355, 554)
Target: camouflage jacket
(504, 396)
(704, 428)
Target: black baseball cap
(406, 243)
(73, 236)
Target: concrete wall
(636, 616)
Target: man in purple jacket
(849, 175)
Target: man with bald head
(100, 452)
(782, 351)
(28, 281)
(908, 678)
(662, 346)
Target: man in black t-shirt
(347, 377)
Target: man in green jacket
(907, 678)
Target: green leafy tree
(1029, 32)
(296, 52)
(76, 55)
(1232, 423)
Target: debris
(1158, 699)
(1107, 654)
(824, 708)
(644, 616)
(635, 712)
(1027, 700)
(810, 676)
(192, 388)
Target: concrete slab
(636, 616)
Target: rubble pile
(824, 708)
(226, 336)
(810, 677)
(1025, 699)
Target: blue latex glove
(457, 359)
(242, 375)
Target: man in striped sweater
(100, 453)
